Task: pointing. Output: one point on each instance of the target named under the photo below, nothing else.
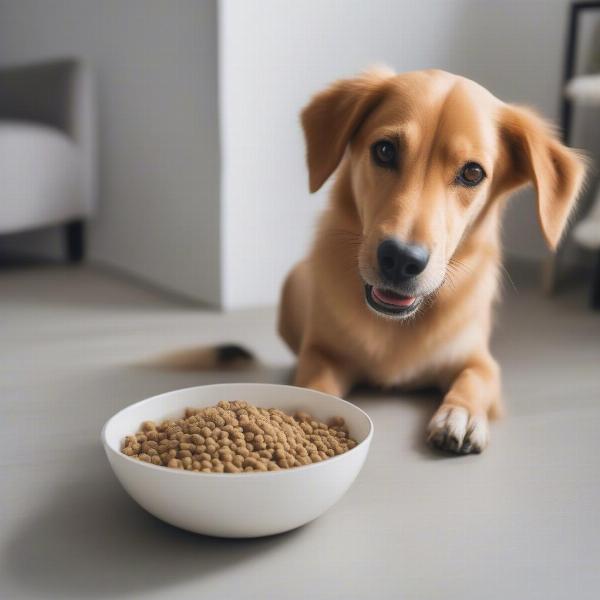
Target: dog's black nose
(399, 262)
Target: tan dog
(399, 285)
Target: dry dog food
(233, 437)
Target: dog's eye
(471, 174)
(384, 154)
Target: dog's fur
(439, 122)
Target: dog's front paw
(454, 429)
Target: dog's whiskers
(504, 271)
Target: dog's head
(427, 153)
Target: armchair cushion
(41, 174)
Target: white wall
(156, 68)
(274, 54)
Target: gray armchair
(48, 149)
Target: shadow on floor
(424, 402)
(92, 541)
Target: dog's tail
(205, 358)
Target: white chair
(48, 150)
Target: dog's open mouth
(391, 303)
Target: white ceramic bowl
(238, 504)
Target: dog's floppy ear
(536, 156)
(333, 116)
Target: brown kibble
(235, 437)
(300, 415)
(306, 428)
(336, 422)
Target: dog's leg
(460, 424)
(320, 372)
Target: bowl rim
(282, 472)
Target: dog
(399, 286)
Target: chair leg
(595, 295)
(74, 233)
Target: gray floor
(520, 521)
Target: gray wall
(156, 68)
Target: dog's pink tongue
(391, 298)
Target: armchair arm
(58, 94)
